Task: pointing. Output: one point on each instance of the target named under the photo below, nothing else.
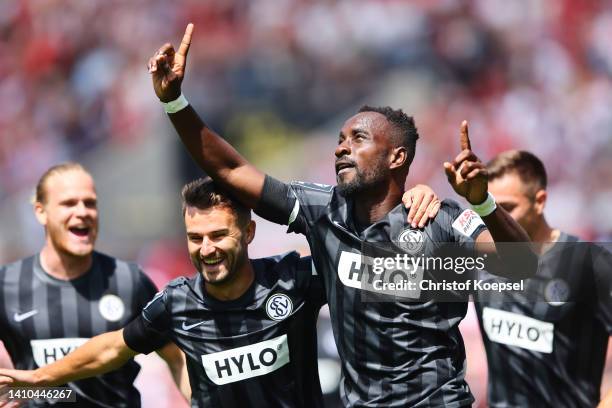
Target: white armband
(176, 105)
(486, 207)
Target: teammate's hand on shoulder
(423, 204)
(467, 174)
(167, 68)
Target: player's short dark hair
(526, 165)
(40, 195)
(406, 135)
(204, 193)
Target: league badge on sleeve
(467, 222)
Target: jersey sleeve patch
(467, 222)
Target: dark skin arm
(218, 158)
(469, 178)
(213, 154)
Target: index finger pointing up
(186, 41)
(465, 138)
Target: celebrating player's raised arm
(217, 157)
(468, 177)
(213, 154)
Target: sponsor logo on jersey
(467, 222)
(556, 292)
(111, 307)
(246, 362)
(517, 330)
(20, 317)
(279, 306)
(191, 326)
(356, 271)
(50, 350)
(411, 240)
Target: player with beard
(546, 346)
(394, 354)
(248, 327)
(52, 302)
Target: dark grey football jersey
(394, 353)
(42, 319)
(259, 350)
(546, 346)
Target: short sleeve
(462, 224)
(149, 330)
(298, 204)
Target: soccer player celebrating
(394, 354)
(248, 327)
(56, 300)
(549, 349)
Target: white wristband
(486, 207)
(176, 105)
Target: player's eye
(90, 203)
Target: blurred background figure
(277, 77)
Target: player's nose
(207, 248)
(81, 209)
(343, 149)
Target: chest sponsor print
(245, 362)
(48, 351)
(514, 329)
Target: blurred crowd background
(278, 78)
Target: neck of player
(236, 286)
(64, 266)
(375, 203)
(543, 236)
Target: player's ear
(540, 201)
(250, 231)
(398, 158)
(40, 213)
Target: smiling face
(217, 242)
(362, 154)
(69, 213)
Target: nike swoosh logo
(21, 317)
(191, 326)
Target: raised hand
(167, 68)
(467, 174)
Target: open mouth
(80, 231)
(212, 261)
(344, 166)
